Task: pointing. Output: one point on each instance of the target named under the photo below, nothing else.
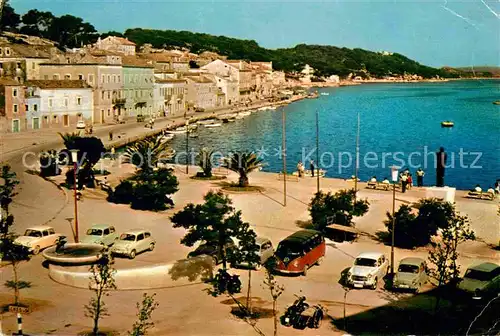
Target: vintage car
(103, 234)
(38, 238)
(133, 242)
(411, 274)
(367, 270)
(481, 280)
(265, 251)
(212, 251)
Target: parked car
(132, 242)
(101, 234)
(481, 280)
(411, 274)
(80, 124)
(299, 251)
(367, 270)
(38, 238)
(265, 251)
(211, 250)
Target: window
(114, 78)
(109, 94)
(15, 108)
(56, 120)
(14, 92)
(18, 79)
(67, 77)
(91, 78)
(109, 112)
(106, 232)
(140, 236)
(147, 234)
(80, 77)
(102, 95)
(45, 233)
(35, 107)
(112, 229)
(55, 76)
(66, 102)
(119, 79)
(18, 65)
(7, 51)
(107, 78)
(50, 102)
(78, 100)
(102, 79)
(26, 107)
(52, 231)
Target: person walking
(311, 166)
(410, 181)
(300, 168)
(404, 182)
(420, 177)
(113, 157)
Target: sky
(432, 32)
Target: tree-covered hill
(328, 60)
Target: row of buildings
(108, 82)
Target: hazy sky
(436, 33)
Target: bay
(400, 125)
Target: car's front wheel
(151, 246)
(36, 250)
(132, 254)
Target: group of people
(492, 190)
(406, 179)
(301, 169)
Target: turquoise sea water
(394, 118)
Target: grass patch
(234, 187)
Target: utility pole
(187, 146)
(357, 164)
(283, 134)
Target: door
(140, 242)
(65, 120)
(45, 241)
(36, 123)
(106, 237)
(15, 126)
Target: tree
(101, 282)
(71, 31)
(246, 253)
(444, 253)
(214, 222)
(37, 23)
(146, 154)
(339, 208)
(7, 193)
(145, 310)
(243, 163)
(10, 19)
(205, 161)
(416, 230)
(275, 289)
(15, 254)
(152, 189)
(111, 33)
(69, 139)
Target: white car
(80, 124)
(265, 251)
(37, 238)
(133, 242)
(367, 270)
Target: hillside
(328, 60)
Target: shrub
(123, 193)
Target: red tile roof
(58, 84)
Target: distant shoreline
(387, 81)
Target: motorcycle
(226, 282)
(292, 314)
(310, 318)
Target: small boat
(206, 121)
(307, 173)
(325, 94)
(178, 131)
(193, 135)
(193, 127)
(271, 108)
(263, 108)
(167, 137)
(213, 125)
(447, 124)
(496, 102)
(245, 114)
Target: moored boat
(325, 94)
(447, 123)
(166, 137)
(245, 113)
(213, 125)
(206, 121)
(496, 102)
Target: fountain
(74, 253)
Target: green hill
(327, 60)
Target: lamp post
(394, 176)
(74, 158)
(187, 146)
(357, 164)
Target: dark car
(211, 250)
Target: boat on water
(193, 135)
(245, 113)
(167, 137)
(271, 108)
(307, 173)
(179, 130)
(496, 102)
(263, 108)
(206, 121)
(213, 125)
(325, 94)
(447, 123)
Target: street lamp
(187, 145)
(283, 120)
(74, 158)
(394, 176)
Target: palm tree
(146, 154)
(69, 139)
(243, 163)
(205, 161)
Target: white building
(117, 44)
(170, 97)
(201, 92)
(306, 74)
(60, 103)
(227, 86)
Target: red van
(299, 251)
